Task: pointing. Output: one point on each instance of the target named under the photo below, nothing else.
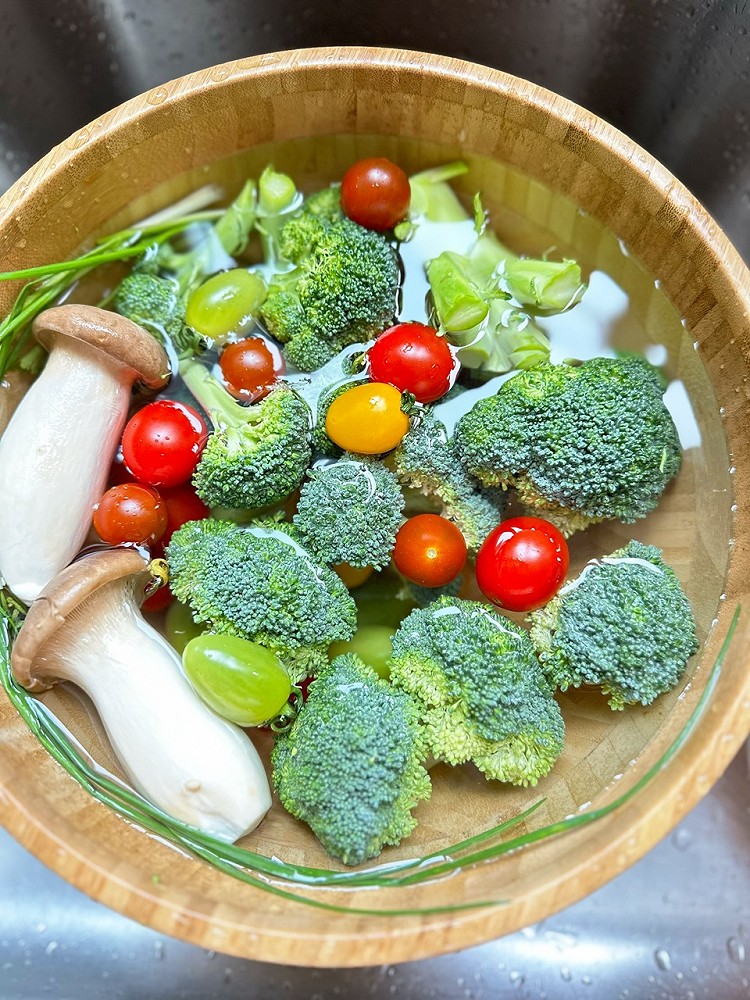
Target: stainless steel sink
(676, 925)
(676, 77)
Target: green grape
(226, 304)
(240, 680)
(372, 644)
(180, 626)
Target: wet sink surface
(676, 925)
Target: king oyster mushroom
(86, 627)
(56, 451)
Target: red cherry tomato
(158, 601)
(429, 550)
(522, 563)
(130, 513)
(162, 443)
(375, 193)
(183, 504)
(415, 359)
(249, 368)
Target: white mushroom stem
(177, 753)
(56, 451)
(54, 462)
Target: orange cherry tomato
(367, 419)
(249, 368)
(132, 513)
(429, 550)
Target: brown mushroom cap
(71, 587)
(112, 334)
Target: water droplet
(219, 73)
(158, 950)
(682, 839)
(51, 948)
(565, 973)
(79, 139)
(663, 959)
(735, 949)
(158, 96)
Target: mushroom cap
(114, 335)
(60, 597)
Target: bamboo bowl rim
(622, 838)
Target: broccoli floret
(624, 625)
(343, 289)
(325, 203)
(580, 444)
(257, 455)
(350, 512)
(422, 596)
(158, 305)
(259, 583)
(482, 693)
(351, 764)
(426, 461)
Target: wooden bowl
(552, 175)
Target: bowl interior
(630, 306)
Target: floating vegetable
(367, 419)
(240, 680)
(430, 550)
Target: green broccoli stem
(230, 232)
(211, 395)
(278, 197)
(433, 198)
(459, 303)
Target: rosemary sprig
(278, 877)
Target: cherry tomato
(130, 513)
(352, 576)
(429, 550)
(415, 359)
(160, 600)
(226, 303)
(162, 443)
(375, 193)
(183, 504)
(367, 419)
(522, 563)
(249, 368)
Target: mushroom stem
(56, 451)
(54, 462)
(176, 752)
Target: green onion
(48, 283)
(279, 877)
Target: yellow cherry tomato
(367, 419)
(353, 576)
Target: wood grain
(551, 174)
